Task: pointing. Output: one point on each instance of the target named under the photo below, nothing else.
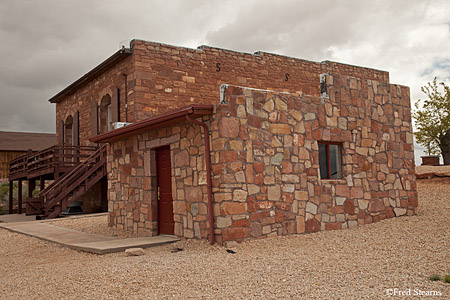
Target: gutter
(165, 119)
(208, 176)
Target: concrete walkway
(84, 241)
(13, 218)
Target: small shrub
(4, 191)
(447, 279)
(435, 277)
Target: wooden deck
(56, 197)
(50, 162)
(57, 164)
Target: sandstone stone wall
(163, 77)
(266, 159)
(169, 77)
(265, 164)
(105, 83)
(132, 181)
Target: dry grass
(359, 263)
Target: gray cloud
(46, 45)
(296, 28)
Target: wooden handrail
(58, 191)
(49, 187)
(57, 156)
(75, 170)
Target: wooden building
(15, 144)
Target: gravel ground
(358, 263)
(94, 225)
(439, 170)
(433, 169)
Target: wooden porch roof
(165, 119)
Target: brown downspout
(126, 97)
(208, 176)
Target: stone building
(229, 146)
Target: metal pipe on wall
(208, 176)
(126, 97)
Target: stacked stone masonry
(80, 100)
(132, 181)
(265, 163)
(160, 78)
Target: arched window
(68, 133)
(105, 114)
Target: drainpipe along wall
(125, 76)
(208, 176)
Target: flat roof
(22, 141)
(158, 121)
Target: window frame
(104, 114)
(328, 160)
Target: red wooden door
(165, 201)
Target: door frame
(169, 180)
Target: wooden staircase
(55, 198)
(50, 163)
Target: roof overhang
(109, 62)
(162, 120)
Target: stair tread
(95, 175)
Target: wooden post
(11, 192)
(42, 187)
(31, 187)
(61, 164)
(19, 197)
(41, 183)
(27, 165)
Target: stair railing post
(19, 197)
(60, 160)
(27, 162)
(41, 188)
(31, 187)
(11, 193)
(41, 183)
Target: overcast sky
(46, 45)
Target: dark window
(330, 161)
(105, 114)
